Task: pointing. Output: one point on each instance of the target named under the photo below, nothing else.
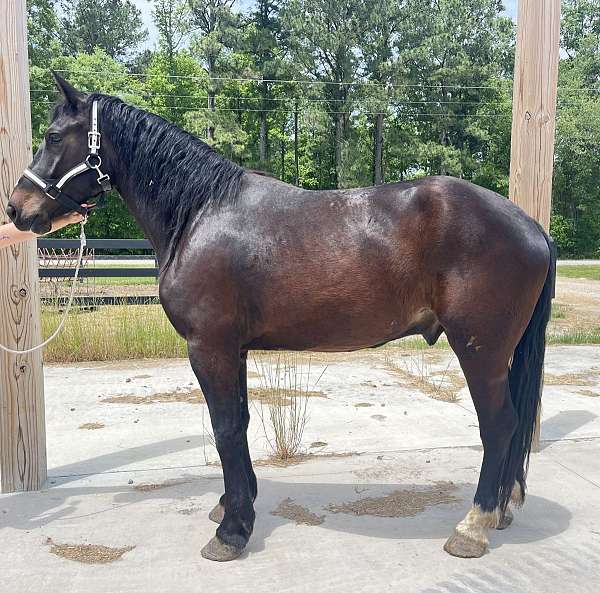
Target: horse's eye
(54, 138)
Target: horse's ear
(72, 96)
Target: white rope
(83, 240)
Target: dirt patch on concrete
(288, 509)
(588, 393)
(363, 405)
(400, 503)
(586, 378)
(189, 511)
(195, 396)
(88, 553)
(92, 426)
(296, 460)
(159, 485)
(279, 395)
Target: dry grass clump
(284, 413)
(416, 371)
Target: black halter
(54, 189)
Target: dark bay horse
(248, 262)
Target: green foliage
(114, 26)
(309, 89)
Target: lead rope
(83, 240)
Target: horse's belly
(340, 331)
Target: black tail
(526, 378)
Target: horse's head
(65, 171)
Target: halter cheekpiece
(92, 162)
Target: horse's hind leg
(218, 511)
(487, 376)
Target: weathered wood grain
(534, 107)
(534, 113)
(22, 416)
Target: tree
(42, 31)
(173, 22)
(114, 26)
(382, 35)
(261, 39)
(323, 36)
(575, 222)
(216, 26)
(454, 54)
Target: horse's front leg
(216, 364)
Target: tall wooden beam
(22, 417)
(534, 107)
(534, 112)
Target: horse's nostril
(11, 212)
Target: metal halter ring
(90, 159)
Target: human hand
(67, 219)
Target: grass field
(112, 333)
(123, 281)
(589, 272)
(136, 331)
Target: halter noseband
(92, 162)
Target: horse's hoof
(217, 514)
(506, 519)
(463, 546)
(218, 551)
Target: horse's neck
(151, 224)
(148, 219)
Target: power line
(502, 84)
(245, 110)
(396, 100)
(282, 81)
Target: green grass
(133, 282)
(118, 332)
(589, 272)
(591, 336)
(559, 311)
(125, 332)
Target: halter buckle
(52, 191)
(94, 140)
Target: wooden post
(534, 111)
(22, 418)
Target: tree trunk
(210, 130)
(239, 120)
(443, 142)
(378, 150)
(282, 176)
(296, 155)
(339, 138)
(264, 126)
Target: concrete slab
(553, 545)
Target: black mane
(174, 174)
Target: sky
(145, 7)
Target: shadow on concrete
(563, 424)
(25, 511)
